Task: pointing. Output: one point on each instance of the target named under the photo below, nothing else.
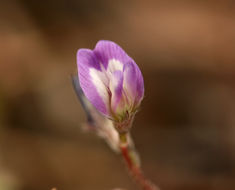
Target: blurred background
(185, 130)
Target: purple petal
(92, 88)
(116, 88)
(107, 50)
(140, 84)
(133, 83)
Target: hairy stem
(130, 157)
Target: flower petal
(133, 83)
(107, 50)
(116, 88)
(140, 85)
(91, 80)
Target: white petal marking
(104, 79)
(99, 80)
(114, 65)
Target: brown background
(185, 129)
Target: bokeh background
(185, 130)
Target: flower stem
(130, 156)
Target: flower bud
(111, 81)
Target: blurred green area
(185, 129)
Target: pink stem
(135, 169)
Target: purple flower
(110, 80)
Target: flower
(111, 81)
